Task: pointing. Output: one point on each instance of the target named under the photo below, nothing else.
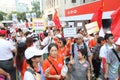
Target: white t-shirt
(21, 39)
(6, 49)
(104, 51)
(45, 43)
(28, 76)
(58, 35)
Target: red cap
(3, 32)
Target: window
(57, 2)
(54, 3)
(73, 1)
(65, 1)
(83, 1)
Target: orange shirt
(69, 43)
(56, 40)
(66, 50)
(57, 63)
(62, 52)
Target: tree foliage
(1, 15)
(36, 8)
(20, 16)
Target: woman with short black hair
(80, 69)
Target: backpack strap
(85, 47)
(73, 50)
(52, 65)
(116, 54)
(31, 71)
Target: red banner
(109, 5)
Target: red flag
(98, 15)
(115, 26)
(56, 19)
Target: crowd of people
(27, 55)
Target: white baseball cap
(78, 36)
(58, 35)
(32, 51)
(118, 41)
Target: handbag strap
(116, 54)
(52, 65)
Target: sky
(7, 2)
(12, 3)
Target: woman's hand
(37, 76)
(71, 62)
(57, 77)
(8, 76)
(47, 72)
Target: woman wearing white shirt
(33, 57)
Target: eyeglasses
(60, 42)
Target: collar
(52, 59)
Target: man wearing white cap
(34, 71)
(113, 61)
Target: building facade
(61, 5)
(79, 12)
(15, 5)
(49, 7)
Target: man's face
(111, 39)
(118, 47)
(79, 40)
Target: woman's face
(53, 52)
(36, 60)
(61, 43)
(80, 56)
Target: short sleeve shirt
(57, 63)
(113, 63)
(80, 70)
(103, 52)
(6, 48)
(29, 76)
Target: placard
(79, 24)
(71, 24)
(28, 16)
(38, 25)
(92, 27)
(69, 32)
(33, 15)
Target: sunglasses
(37, 56)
